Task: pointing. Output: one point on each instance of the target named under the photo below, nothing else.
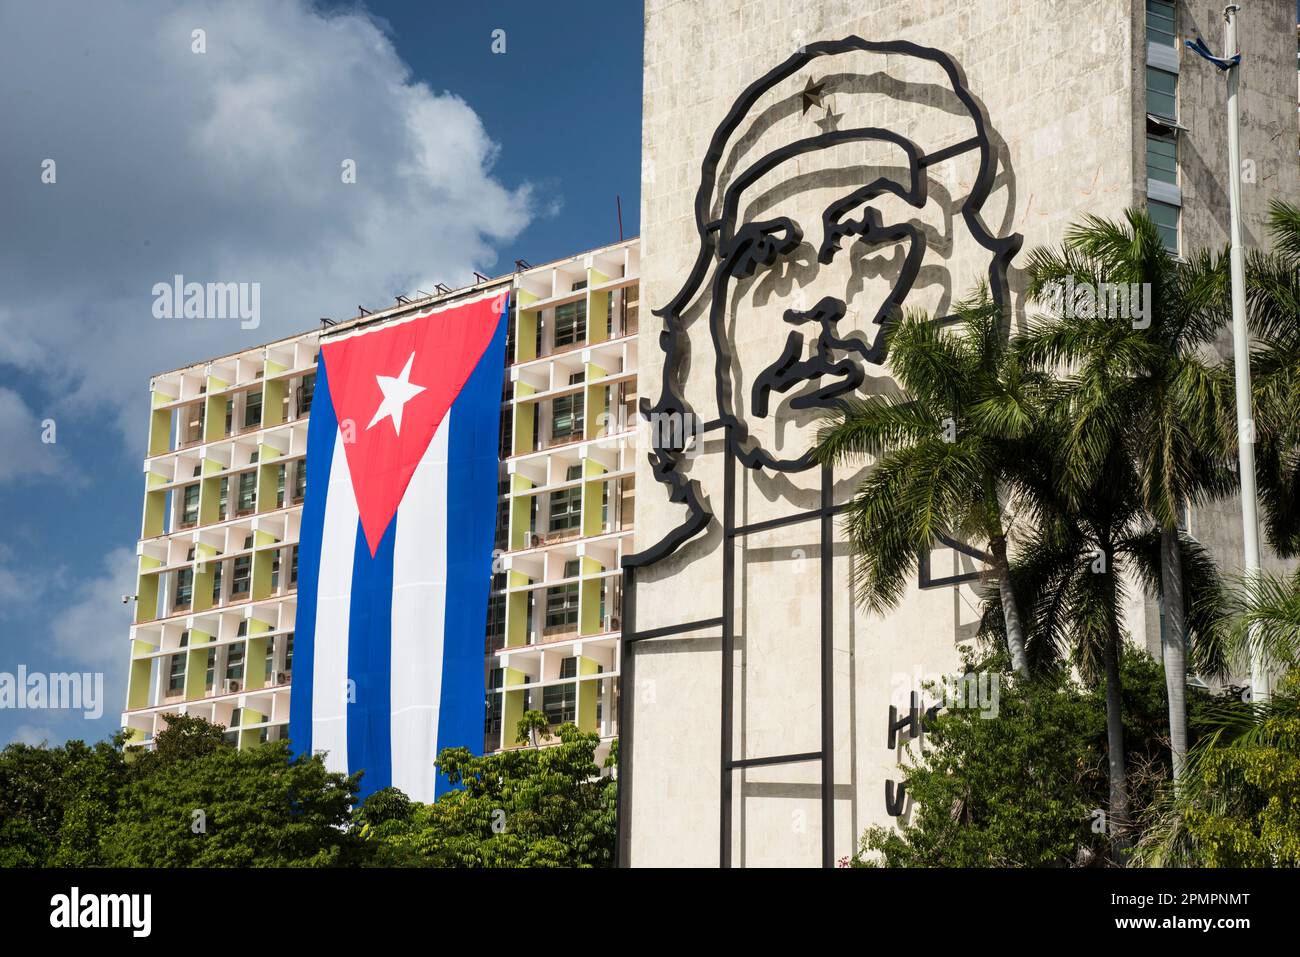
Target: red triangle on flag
(391, 389)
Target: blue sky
(223, 166)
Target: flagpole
(1241, 346)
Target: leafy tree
(1143, 382)
(532, 726)
(55, 802)
(947, 451)
(1273, 300)
(259, 807)
(527, 807)
(1240, 803)
(1027, 788)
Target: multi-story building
(819, 164)
(225, 479)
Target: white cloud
(92, 624)
(23, 434)
(222, 166)
(34, 736)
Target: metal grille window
(1160, 22)
(566, 509)
(1165, 217)
(570, 323)
(1162, 158)
(1162, 90)
(562, 608)
(566, 416)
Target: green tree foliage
(1029, 787)
(226, 808)
(527, 807)
(947, 453)
(54, 802)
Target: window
(1161, 93)
(1162, 158)
(566, 416)
(1165, 217)
(230, 415)
(562, 608)
(299, 480)
(235, 718)
(571, 568)
(184, 588)
(293, 567)
(560, 702)
(235, 662)
(288, 653)
(216, 582)
(210, 674)
(253, 410)
(268, 672)
(247, 492)
(240, 580)
(194, 424)
(573, 473)
(570, 323)
(506, 446)
(579, 285)
(275, 569)
(223, 499)
(566, 509)
(280, 476)
(496, 616)
(496, 679)
(308, 391)
(1160, 22)
(190, 508)
(176, 674)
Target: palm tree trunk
(1173, 645)
(1120, 840)
(1010, 610)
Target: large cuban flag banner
(395, 555)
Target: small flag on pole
(1223, 63)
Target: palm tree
(1264, 617)
(1139, 378)
(946, 450)
(1273, 300)
(1085, 541)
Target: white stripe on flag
(329, 704)
(419, 608)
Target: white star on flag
(397, 392)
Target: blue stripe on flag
(471, 522)
(322, 430)
(370, 668)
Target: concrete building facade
(225, 481)
(1079, 107)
